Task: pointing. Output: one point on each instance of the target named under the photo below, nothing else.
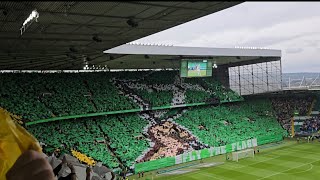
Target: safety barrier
(118, 112)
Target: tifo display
(146, 140)
(43, 96)
(123, 140)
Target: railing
(121, 112)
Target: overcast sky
(293, 27)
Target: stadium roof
(132, 56)
(67, 32)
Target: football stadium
(76, 90)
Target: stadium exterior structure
(244, 70)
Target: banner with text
(214, 151)
(194, 155)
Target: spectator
(311, 125)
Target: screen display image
(197, 69)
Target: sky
(292, 27)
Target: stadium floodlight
(32, 17)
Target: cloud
(267, 36)
(292, 27)
(293, 50)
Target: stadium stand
(78, 134)
(159, 87)
(286, 106)
(215, 88)
(311, 125)
(156, 98)
(317, 102)
(170, 139)
(105, 94)
(160, 77)
(130, 75)
(196, 96)
(68, 94)
(119, 140)
(122, 140)
(41, 96)
(216, 126)
(20, 94)
(125, 135)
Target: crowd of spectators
(168, 133)
(80, 134)
(40, 96)
(311, 125)
(285, 107)
(46, 95)
(168, 88)
(225, 124)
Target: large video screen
(195, 68)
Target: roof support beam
(88, 15)
(254, 61)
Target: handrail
(119, 112)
